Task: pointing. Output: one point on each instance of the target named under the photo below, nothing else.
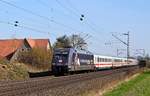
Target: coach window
(120, 60)
(116, 60)
(106, 60)
(102, 59)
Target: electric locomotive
(66, 60)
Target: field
(138, 86)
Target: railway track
(25, 87)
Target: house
(9, 48)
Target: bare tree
(77, 42)
(73, 41)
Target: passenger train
(66, 60)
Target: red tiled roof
(9, 46)
(38, 43)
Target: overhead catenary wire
(31, 20)
(38, 15)
(35, 14)
(85, 20)
(36, 23)
(50, 9)
(66, 8)
(23, 9)
(25, 27)
(88, 21)
(76, 13)
(53, 10)
(73, 7)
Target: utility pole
(117, 52)
(127, 43)
(128, 47)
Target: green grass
(139, 86)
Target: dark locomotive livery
(69, 60)
(66, 60)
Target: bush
(3, 61)
(36, 57)
(148, 63)
(17, 72)
(13, 71)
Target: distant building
(9, 48)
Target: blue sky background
(102, 17)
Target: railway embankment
(73, 85)
(137, 86)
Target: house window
(28, 49)
(23, 50)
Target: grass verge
(139, 86)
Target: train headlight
(69, 67)
(60, 61)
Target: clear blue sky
(101, 18)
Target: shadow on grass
(147, 72)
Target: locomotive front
(60, 61)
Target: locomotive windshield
(60, 57)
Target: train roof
(111, 57)
(103, 56)
(72, 49)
